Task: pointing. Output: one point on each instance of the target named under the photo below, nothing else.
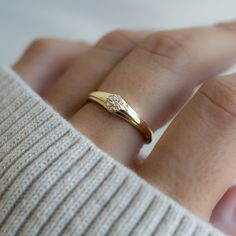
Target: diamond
(115, 103)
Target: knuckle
(41, 44)
(227, 27)
(168, 48)
(222, 97)
(119, 40)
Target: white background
(21, 21)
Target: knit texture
(55, 181)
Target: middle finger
(156, 78)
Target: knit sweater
(55, 181)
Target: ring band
(116, 105)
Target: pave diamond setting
(116, 103)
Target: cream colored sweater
(54, 181)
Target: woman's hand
(156, 72)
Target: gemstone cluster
(115, 103)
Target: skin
(156, 73)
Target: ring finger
(71, 90)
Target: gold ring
(116, 105)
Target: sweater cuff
(55, 181)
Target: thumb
(224, 214)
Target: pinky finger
(224, 214)
(46, 59)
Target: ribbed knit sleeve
(54, 181)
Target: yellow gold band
(118, 106)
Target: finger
(224, 214)
(156, 78)
(194, 161)
(70, 93)
(46, 59)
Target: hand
(156, 73)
